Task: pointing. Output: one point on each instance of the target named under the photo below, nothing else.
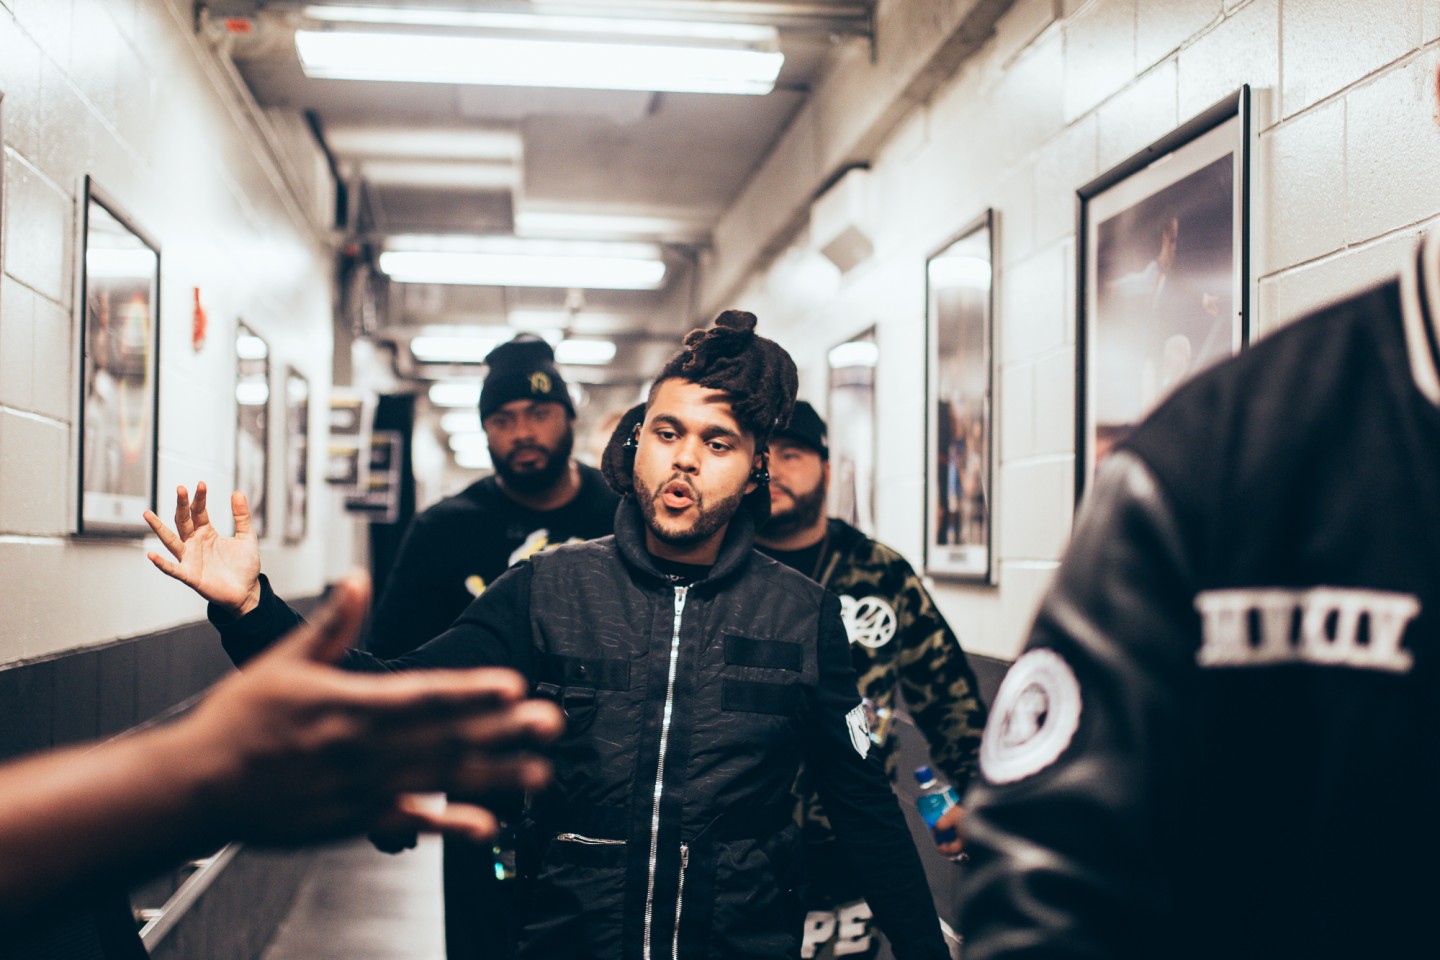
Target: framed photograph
(851, 419)
(1164, 274)
(297, 454)
(252, 424)
(119, 305)
(959, 374)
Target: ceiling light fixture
(506, 262)
(553, 23)
(439, 349)
(586, 352)
(460, 421)
(540, 51)
(455, 393)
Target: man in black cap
(898, 642)
(538, 496)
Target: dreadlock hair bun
(757, 374)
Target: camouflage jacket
(900, 644)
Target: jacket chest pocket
(763, 676)
(574, 683)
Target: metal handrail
(159, 922)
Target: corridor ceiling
(445, 158)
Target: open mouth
(677, 495)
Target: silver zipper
(589, 841)
(679, 899)
(660, 765)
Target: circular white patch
(869, 621)
(1037, 712)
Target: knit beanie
(522, 369)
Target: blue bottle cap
(924, 775)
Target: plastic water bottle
(935, 798)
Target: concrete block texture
(1303, 163)
(1243, 48)
(1039, 493)
(38, 230)
(1099, 54)
(1329, 44)
(20, 86)
(35, 480)
(1390, 127)
(1139, 115)
(1162, 28)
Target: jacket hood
(735, 549)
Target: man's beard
(536, 479)
(804, 512)
(707, 519)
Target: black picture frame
(1142, 330)
(297, 455)
(252, 424)
(959, 405)
(850, 414)
(118, 302)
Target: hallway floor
(360, 904)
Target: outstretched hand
(309, 752)
(223, 570)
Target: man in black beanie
(538, 496)
(694, 673)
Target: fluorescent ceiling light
(250, 347)
(435, 58)
(534, 223)
(468, 441)
(577, 270)
(458, 175)
(440, 349)
(460, 421)
(455, 393)
(296, 389)
(960, 270)
(616, 26)
(473, 459)
(856, 353)
(424, 143)
(594, 352)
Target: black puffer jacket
(690, 707)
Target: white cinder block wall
(1345, 171)
(119, 89)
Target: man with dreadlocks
(695, 674)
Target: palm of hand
(223, 570)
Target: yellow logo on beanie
(540, 382)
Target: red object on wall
(197, 332)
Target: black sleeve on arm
(494, 631)
(246, 637)
(1084, 786)
(862, 808)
